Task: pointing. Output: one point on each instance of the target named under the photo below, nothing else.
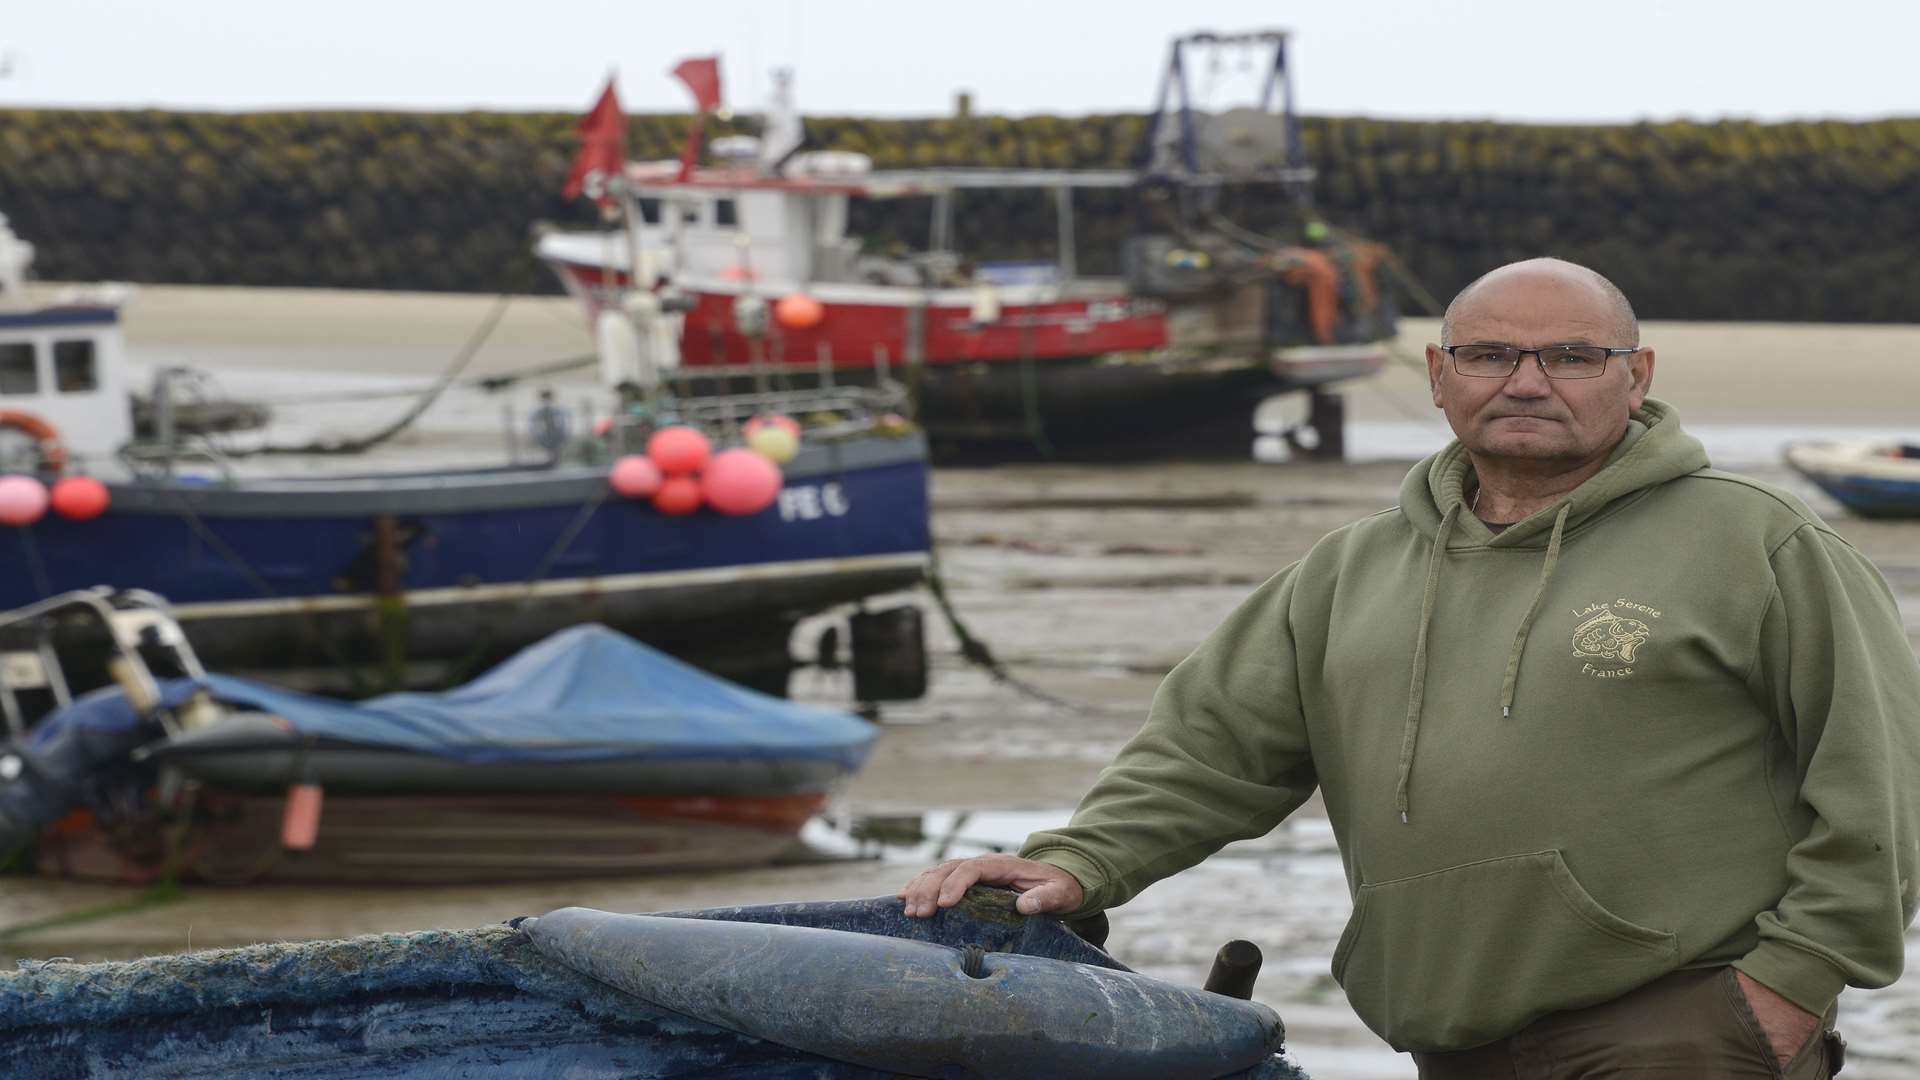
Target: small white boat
(1880, 480)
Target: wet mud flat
(1088, 584)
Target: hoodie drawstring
(1520, 636)
(1416, 694)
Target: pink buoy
(602, 426)
(798, 311)
(80, 498)
(300, 820)
(679, 450)
(635, 476)
(678, 496)
(740, 481)
(23, 500)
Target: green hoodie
(1672, 720)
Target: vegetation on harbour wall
(1728, 220)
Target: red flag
(702, 76)
(603, 148)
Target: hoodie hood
(1654, 451)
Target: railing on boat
(132, 618)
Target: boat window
(650, 211)
(73, 367)
(17, 374)
(724, 213)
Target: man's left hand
(1787, 1026)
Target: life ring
(53, 452)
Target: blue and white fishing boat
(1878, 480)
(456, 566)
(845, 990)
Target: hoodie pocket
(1466, 955)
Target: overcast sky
(1599, 60)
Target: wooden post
(390, 598)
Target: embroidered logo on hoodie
(1609, 642)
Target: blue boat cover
(585, 693)
(78, 755)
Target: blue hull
(262, 573)
(1871, 496)
(490, 1003)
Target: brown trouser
(1691, 1025)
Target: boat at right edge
(1874, 480)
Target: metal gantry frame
(1176, 94)
(126, 614)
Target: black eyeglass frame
(1520, 355)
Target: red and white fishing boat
(751, 262)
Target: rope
(265, 588)
(567, 536)
(35, 564)
(1030, 405)
(1418, 291)
(488, 383)
(463, 669)
(460, 361)
(975, 651)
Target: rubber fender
(911, 1006)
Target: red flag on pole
(702, 76)
(603, 148)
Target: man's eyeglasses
(1481, 361)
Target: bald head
(1551, 273)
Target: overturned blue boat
(846, 989)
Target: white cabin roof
(662, 178)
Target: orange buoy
(678, 496)
(798, 311)
(79, 498)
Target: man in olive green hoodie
(1621, 752)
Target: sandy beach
(1089, 583)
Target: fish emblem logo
(1607, 636)
(1609, 642)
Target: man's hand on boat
(1043, 887)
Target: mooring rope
(975, 651)
(361, 445)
